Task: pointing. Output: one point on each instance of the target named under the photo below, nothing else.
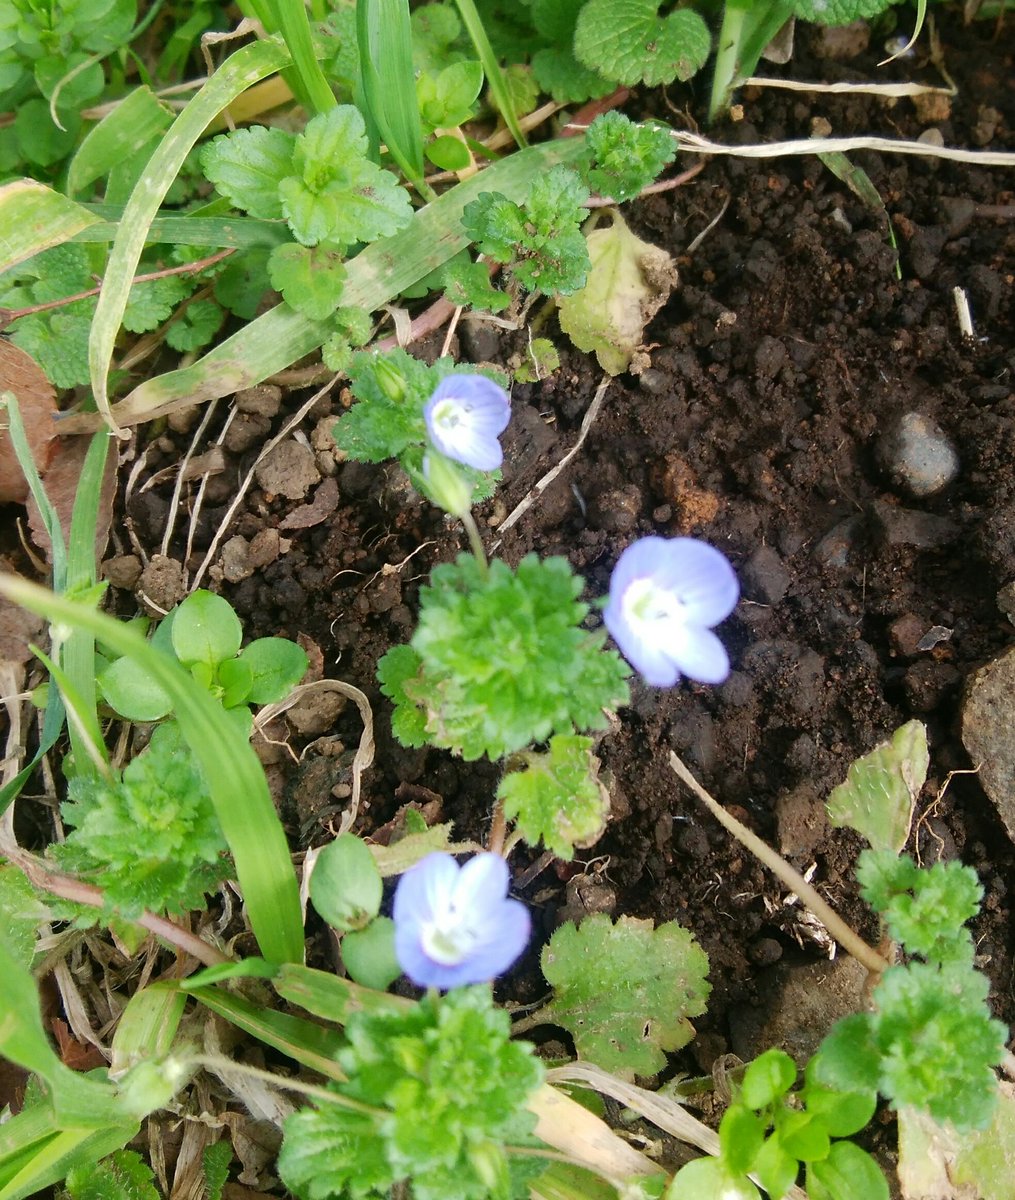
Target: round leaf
(770, 1076)
(740, 1134)
(448, 153)
(206, 630)
(369, 954)
(846, 1173)
(277, 665)
(129, 690)
(345, 885)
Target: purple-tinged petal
(482, 883)
(644, 653)
(423, 890)
(700, 656)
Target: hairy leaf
(248, 165)
(622, 158)
(310, 279)
(624, 991)
(628, 41)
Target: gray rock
(289, 470)
(906, 527)
(235, 560)
(834, 549)
(988, 714)
(917, 455)
(765, 577)
(801, 1005)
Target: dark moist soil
(785, 354)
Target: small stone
(183, 420)
(800, 820)
(122, 571)
(833, 550)
(840, 43)
(617, 510)
(800, 1004)
(905, 633)
(161, 585)
(289, 470)
(764, 952)
(652, 381)
(765, 577)
(265, 547)
(263, 400)
(677, 485)
(917, 455)
(1006, 601)
(235, 560)
(246, 430)
(905, 527)
(988, 714)
(770, 357)
(315, 712)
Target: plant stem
(836, 926)
(475, 541)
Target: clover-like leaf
(625, 991)
(881, 788)
(628, 41)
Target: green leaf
(986, 1161)
(841, 1113)
(847, 1172)
(235, 679)
(708, 1179)
(839, 12)
(557, 797)
(40, 141)
(559, 73)
(122, 1176)
(205, 629)
(628, 41)
(35, 218)
(767, 1079)
(132, 124)
(277, 665)
(542, 361)
(151, 302)
(215, 1164)
(310, 279)
(625, 991)
(21, 913)
(196, 327)
(629, 281)
(130, 691)
(448, 153)
(622, 158)
(447, 98)
(848, 1059)
(802, 1135)
(337, 193)
(741, 1134)
(345, 884)
(369, 954)
(440, 1089)
(248, 165)
(881, 789)
(398, 666)
(774, 1169)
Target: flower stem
(475, 541)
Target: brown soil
(789, 348)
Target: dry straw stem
(695, 144)
(792, 878)
(888, 90)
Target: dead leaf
(22, 375)
(61, 481)
(629, 281)
(18, 627)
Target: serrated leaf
(122, 1176)
(881, 789)
(559, 73)
(628, 41)
(399, 856)
(624, 991)
(629, 281)
(310, 279)
(337, 194)
(838, 12)
(21, 912)
(196, 326)
(247, 166)
(557, 798)
(622, 158)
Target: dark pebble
(764, 952)
(764, 576)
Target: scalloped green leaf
(628, 41)
(625, 991)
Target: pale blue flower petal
(464, 418)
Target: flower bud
(446, 484)
(390, 379)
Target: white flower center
(645, 603)
(448, 414)
(448, 939)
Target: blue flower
(455, 925)
(665, 595)
(464, 418)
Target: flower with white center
(455, 925)
(465, 416)
(665, 596)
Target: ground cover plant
(273, 961)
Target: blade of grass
(53, 1156)
(129, 127)
(238, 72)
(305, 77)
(234, 776)
(215, 232)
(494, 76)
(33, 217)
(312, 1045)
(747, 28)
(384, 269)
(384, 35)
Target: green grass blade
(384, 269)
(214, 232)
(331, 998)
(121, 133)
(237, 73)
(312, 1045)
(494, 76)
(52, 1158)
(384, 35)
(747, 28)
(234, 776)
(305, 77)
(33, 217)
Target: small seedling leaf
(881, 789)
(846, 1173)
(129, 690)
(277, 665)
(206, 630)
(345, 885)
